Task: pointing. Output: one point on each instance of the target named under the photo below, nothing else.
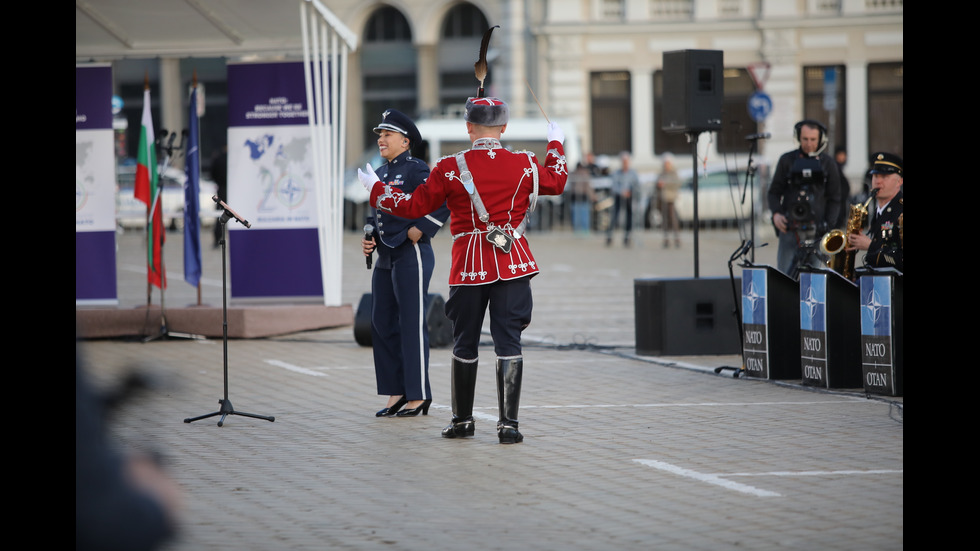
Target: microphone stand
(745, 247)
(226, 407)
(750, 171)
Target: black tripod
(226, 407)
(806, 255)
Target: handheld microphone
(759, 136)
(368, 232)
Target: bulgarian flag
(147, 189)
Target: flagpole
(150, 147)
(154, 213)
(168, 146)
(192, 186)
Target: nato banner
(881, 334)
(270, 184)
(770, 324)
(755, 319)
(95, 187)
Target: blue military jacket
(406, 173)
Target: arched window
(459, 47)
(388, 67)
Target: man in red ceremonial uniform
(490, 192)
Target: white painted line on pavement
(295, 368)
(709, 478)
(307, 371)
(485, 416)
(703, 404)
(719, 478)
(816, 473)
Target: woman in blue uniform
(400, 283)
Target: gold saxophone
(835, 241)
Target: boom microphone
(759, 136)
(368, 232)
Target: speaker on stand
(692, 97)
(693, 90)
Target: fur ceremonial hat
(486, 111)
(399, 122)
(886, 163)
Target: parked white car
(722, 195)
(131, 212)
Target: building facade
(599, 63)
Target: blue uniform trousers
(399, 333)
(510, 307)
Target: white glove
(367, 177)
(555, 133)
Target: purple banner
(266, 94)
(269, 166)
(93, 97)
(95, 187)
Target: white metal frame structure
(326, 45)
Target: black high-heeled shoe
(423, 409)
(393, 409)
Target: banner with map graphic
(270, 185)
(95, 187)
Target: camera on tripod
(805, 174)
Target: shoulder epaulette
(451, 156)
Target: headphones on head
(810, 122)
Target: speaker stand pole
(226, 407)
(693, 138)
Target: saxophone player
(883, 241)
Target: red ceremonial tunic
(505, 183)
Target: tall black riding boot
(509, 372)
(464, 391)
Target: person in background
(583, 197)
(490, 192)
(400, 282)
(625, 182)
(804, 197)
(668, 187)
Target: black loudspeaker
(686, 317)
(693, 90)
(440, 328)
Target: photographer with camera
(805, 198)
